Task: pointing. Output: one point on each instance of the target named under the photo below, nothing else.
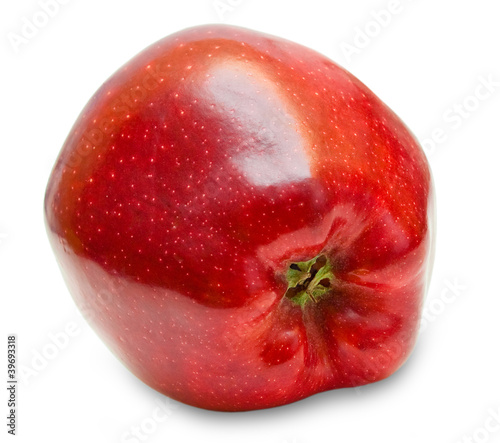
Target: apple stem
(309, 280)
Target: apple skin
(194, 181)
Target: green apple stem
(309, 280)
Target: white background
(426, 60)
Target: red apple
(243, 222)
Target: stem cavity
(309, 281)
